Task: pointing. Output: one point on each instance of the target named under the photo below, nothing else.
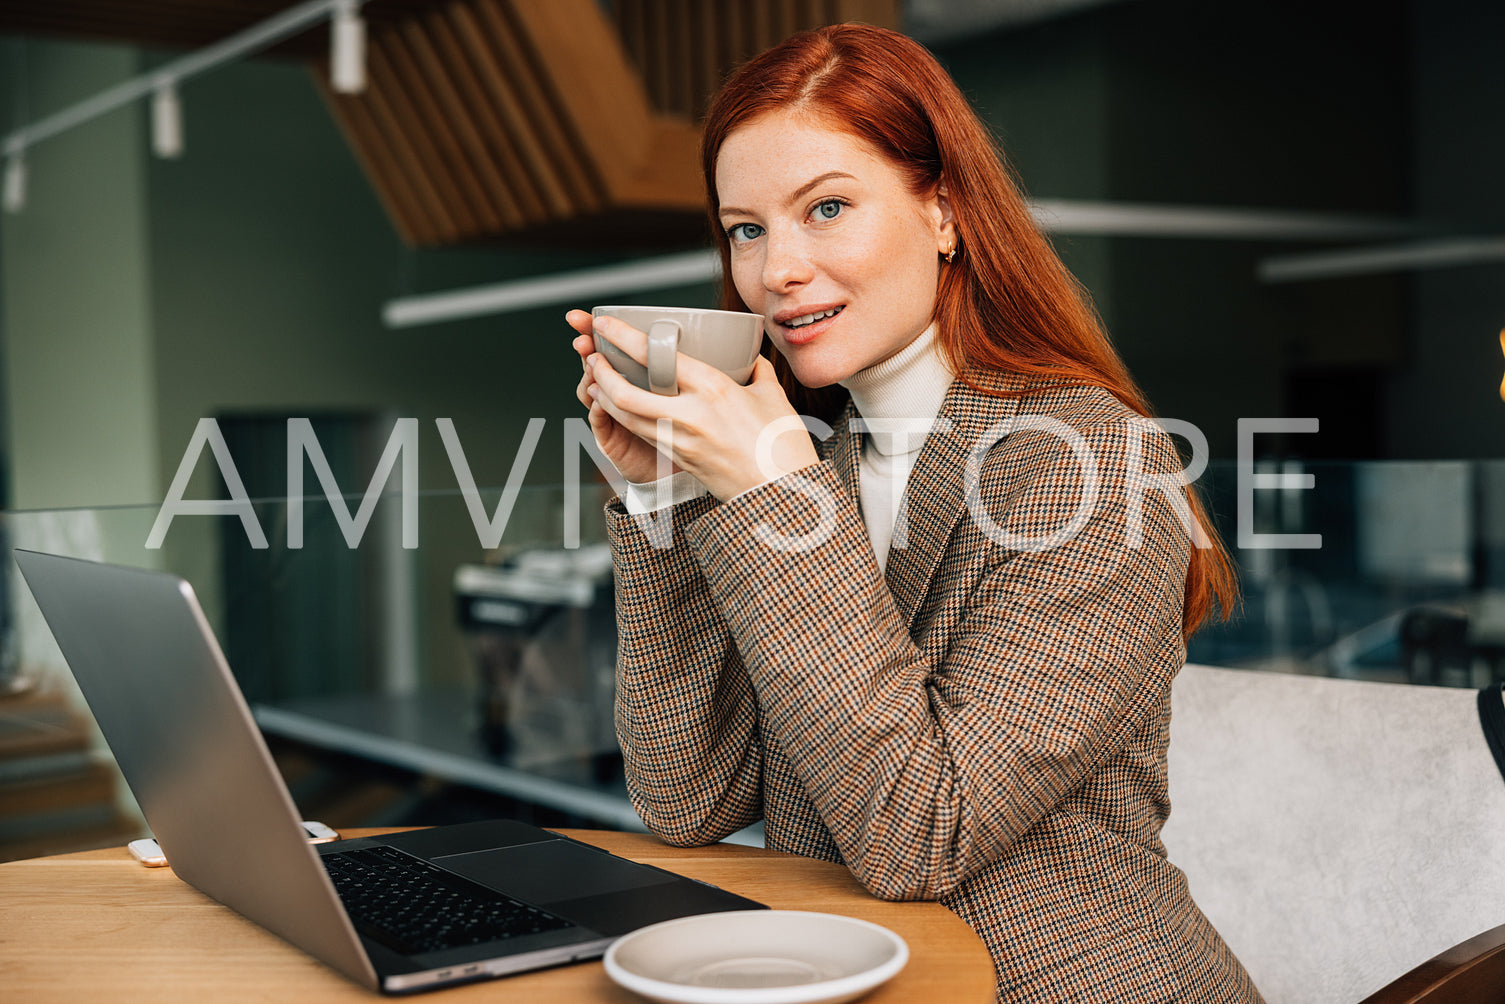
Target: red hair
(1007, 303)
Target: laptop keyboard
(411, 906)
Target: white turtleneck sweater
(897, 401)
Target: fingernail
(599, 324)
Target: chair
(1470, 973)
(1338, 833)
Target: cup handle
(663, 344)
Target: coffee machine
(541, 626)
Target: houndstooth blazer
(985, 724)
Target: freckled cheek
(747, 278)
(859, 263)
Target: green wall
(247, 278)
(80, 348)
(1045, 95)
(1446, 401)
(1186, 103)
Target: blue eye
(829, 209)
(744, 232)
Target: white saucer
(757, 957)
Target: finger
(764, 381)
(695, 375)
(583, 345)
(763, 371)
(616, 386)
(624, 336)
(600, 421)
(609, 435)
(633, 408)
(584, 387)
(605, 412)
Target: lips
(803, 324)
(811, 318)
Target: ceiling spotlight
(15, 183)
(347, 55)
(167, 121)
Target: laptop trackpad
(551, 871)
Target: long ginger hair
(1007, 303)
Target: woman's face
(828, 244)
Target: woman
(935, 641)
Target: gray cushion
(1336, 832)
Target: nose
(786, 263)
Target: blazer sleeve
(926, 770)
(686, 715)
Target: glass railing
(485, 654)
(1407, 585)
(307, 600)
(483, 657)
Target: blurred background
(1283, 211)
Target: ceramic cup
(726, 339)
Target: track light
(167, 121)
(347, 65)
(15, 182)
(347, 55)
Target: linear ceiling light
(1440, 253)
(587, 286)
(1145, 219)
(584, 286)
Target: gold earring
(951, 255)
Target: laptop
(413, 911)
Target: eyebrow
(793, 196)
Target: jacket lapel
(935, 497)
(843, 448)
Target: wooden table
(97, 926)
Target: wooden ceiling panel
(532, 123)
(408, 149)
(435, 120)
(486, 119)
(464, 139)
(397, 195)
(502, 164)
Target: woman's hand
(635, 459)
(730, 437)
